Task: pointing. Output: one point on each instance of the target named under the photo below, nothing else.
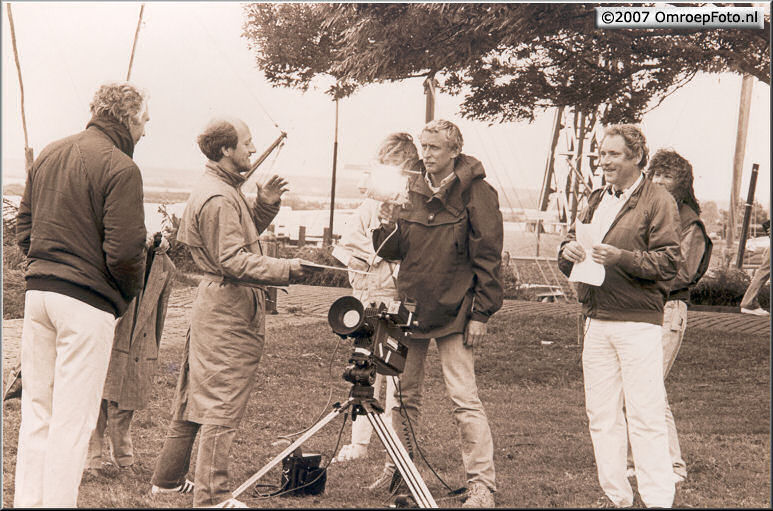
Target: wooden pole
(747, 215)
(28, 153)
(134, 46)
(429, 91)
(333, 183)
(740, 148)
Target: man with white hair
(81, 224)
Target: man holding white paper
(638, 226)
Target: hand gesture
(573, 252)
(272, 189)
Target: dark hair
(668, 161)
(633, 138)
(216, 136)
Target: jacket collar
(115, 131)
(466, 170)
(231, 178)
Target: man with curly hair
(622, 357)
(81, 224)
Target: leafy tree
(509, 59)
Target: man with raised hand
(622, 356)
(227, 330)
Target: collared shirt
(435, 189)
(611, 205)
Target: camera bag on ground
(301, 474)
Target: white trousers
(623, 365)
(65, 351)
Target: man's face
(137, 129)
(437, 153)
(619, 169)
(240, 155)
(666, 179)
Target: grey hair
(634, 140)
(121, 100)
(449, 130)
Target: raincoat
(129, 379)
(225, 339)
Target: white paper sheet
(588, 271)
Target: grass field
(719, 391)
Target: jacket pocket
(460, 238)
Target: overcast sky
(193, 61)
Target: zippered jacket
(647, 230)
(449, 245)
(81, 221)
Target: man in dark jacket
(622, 355)
(81, 226)
(448, 239)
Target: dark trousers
(211, 476)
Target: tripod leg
(403, 462)
(271, 464)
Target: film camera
(376, 331)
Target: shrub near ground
(718, 389)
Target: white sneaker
(351, 452)
(186, 487)
(759, 311)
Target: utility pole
(333, 184)
(740, 148)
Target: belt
(222, 279)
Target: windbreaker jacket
(695, 246)
(449, 245)
(81, 221)
(357, 243)
(647, 230)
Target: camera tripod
(361, 402)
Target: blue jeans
(211, 477)
(458, 365)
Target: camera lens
(351, 318)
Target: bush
(720, 286)
(14, 287)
